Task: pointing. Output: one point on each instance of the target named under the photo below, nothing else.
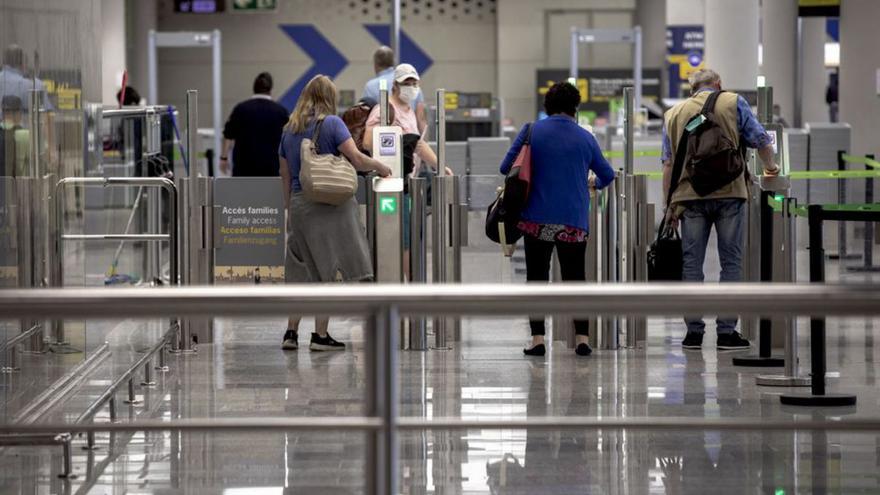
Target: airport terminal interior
(151, 269)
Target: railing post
(817, 327)
(148, 374)
(132, 398)
(112, 407)
(383, 400)
(67, 456)
(90, 441)
(418, 256)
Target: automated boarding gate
(448, 229)
(771, 253)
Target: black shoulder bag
(664, 256)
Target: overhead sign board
(598, 87)
(254, 5)
(819, 8)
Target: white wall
(521, 45)
(463, 49)
(113, 48)
(685, 12)
(859, 61)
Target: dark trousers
(571, 261)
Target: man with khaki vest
(724, 207)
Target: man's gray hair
(702, 78)
(383, 57)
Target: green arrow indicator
(387, 205)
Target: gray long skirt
(325, 243)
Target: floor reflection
(488, 378)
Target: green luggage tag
(695, 123)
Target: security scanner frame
(189, 39)
(586, 36)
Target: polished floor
(484, 375)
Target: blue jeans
(728, 217)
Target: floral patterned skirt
(552, 232)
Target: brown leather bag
(355, 119)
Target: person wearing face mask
(404, 93)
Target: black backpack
(712, 159)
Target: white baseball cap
(405, 71)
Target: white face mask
(409, 93)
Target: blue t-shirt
(333, 134)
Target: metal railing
(386, 303)
(109, 394)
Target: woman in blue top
(556, 215)
(325, 243)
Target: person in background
(404, 93)
(128, 98)
(831, 97)
(556, 216)
(325, 243)
(253, 131)
(14, 80)
(777, 116)
(14, 138)
(383, 65)
(723, 208)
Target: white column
(685, 12)
(814, 75)
(732, 41)
(145, 17)
(779, 64)
(113, 60)
(859, 62)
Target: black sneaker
(290, 341)
(732, 342)
(327, 343)
(583, 350)
(538, 350)
(692, 340)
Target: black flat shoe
(583, 350)
(538, 350)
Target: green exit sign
(387, 205)
(254, 5)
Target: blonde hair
(318, 99)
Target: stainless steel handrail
(476, 299)
(160, 182)
(116, 237)
(109, 394)
(108, 113)
(385, 304)
(352, 423)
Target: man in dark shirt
(254, 133)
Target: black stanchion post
(817, 327)
(764, 359)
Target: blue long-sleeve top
(563, 153)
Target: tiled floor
(244, 373)
(483, 376)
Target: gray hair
(702, 78)
(383, 57)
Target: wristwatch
(224, 157)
